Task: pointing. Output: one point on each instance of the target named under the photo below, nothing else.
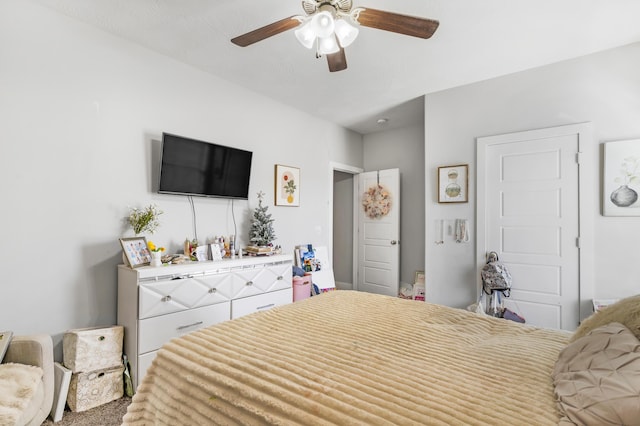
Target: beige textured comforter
(354, 358)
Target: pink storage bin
(301, 287)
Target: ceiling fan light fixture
(327, 45)
(345, 32)
(305, 35)
(323, 24)
(332, 25)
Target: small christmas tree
(261, 233)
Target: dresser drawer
(144, 362)
(178, 294)
(260, 279)
(260, 302)
(154, 332)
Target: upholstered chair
(34, 350)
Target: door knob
(394, 242)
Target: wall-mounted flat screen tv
(193, 167)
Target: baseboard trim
(344, 286)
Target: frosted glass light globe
(305, 35)
(345, 32)
(323, 24)
(328, 45)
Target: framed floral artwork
(453, 184)
(287, 186)
(621, 178)
(136, 251)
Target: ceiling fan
(329, 26)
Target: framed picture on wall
(453, 184)
(621, 178)
(136, 251)
(287, 186)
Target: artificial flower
(376, 202)
(153, 247)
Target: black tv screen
(193, 167)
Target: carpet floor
(109, 414)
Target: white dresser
(156, 304)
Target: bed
(352, 358)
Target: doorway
(343, 252)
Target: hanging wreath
(376, 202)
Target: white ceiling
(387, 73)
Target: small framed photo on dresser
(202, 253)
(136, 251)
(216, 251)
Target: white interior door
(379, 237)
(528, 212)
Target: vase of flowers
(156, 253)
(144, 220)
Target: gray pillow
(597, 378)
(626, 311)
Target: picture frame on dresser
(136, 251)
(216, 251)
(202, 253)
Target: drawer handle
(182, 327)
(166, 299)
(213, 290)
(280, 277)
(249, 283)
(182, 277)
(270, 305)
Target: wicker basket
(94, 388)
(91, 349)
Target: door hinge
(579, 157)
(578, 242)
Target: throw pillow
(626, 311)
(597, 378)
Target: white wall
(602, 88)
(81, 116)
(403, 148)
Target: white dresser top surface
(207, 266)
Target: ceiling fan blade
(337, 61)
(265, 32)
(394, 22)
